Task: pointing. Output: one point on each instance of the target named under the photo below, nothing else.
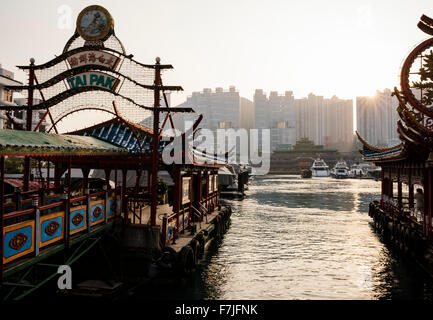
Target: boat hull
(306, 174)
(341, 176)
(320, 173)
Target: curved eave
(384, 157)
(373, 149)
(31, 152)
(411, 122)
(415, 140)
(378, 160)
(405, 134)
(204, 161)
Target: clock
(94, 23)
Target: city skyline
(340, 48)
(289, 119)
(330, 122)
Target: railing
(55, 221)
(402, 213)
(23, 199)
(136, 202)
(176, 223)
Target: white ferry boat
(320, 168)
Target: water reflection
(295, 238)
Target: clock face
(94, 23)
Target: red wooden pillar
(390, 188)
(177, 200)
(427, 188)
(177, 191)
(206, 192)
(217, 191)
(2, 193)
(56, 175)
(155, 153)
(26, 174)
(383, 186)
(86, 191)
(85, 172)
(115, 184)
(48, 175)
(29, 116)
(399, 191)
(410, 189)
(137, 180)
(107, 191)
(199, 190)
(123, 196)
(68, 205)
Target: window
(224, 125)
(7, 95)
(281, 124)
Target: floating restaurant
(48, 223)
(404, 213)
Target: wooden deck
(144, 217)
(186, 237)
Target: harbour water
(294, 238)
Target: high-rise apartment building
(376, 118)
(277, 113)
(220, 109)
(247, 114)
(6, 95)
(327, 122)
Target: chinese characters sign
(211, 183)
(99, 58)
(186, 190)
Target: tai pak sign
(93, 79)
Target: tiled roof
(19, 142)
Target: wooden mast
(155, 154)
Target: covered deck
(39, 222)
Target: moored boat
(340, 170)
(320, 168)
(306, 173)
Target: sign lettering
(186, 189)
(93, 79)
(99, 58)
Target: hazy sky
(345, 48)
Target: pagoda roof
(376, 154)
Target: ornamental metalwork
(18, 241)
(77, 219)
(52, 228)
(91, 73)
